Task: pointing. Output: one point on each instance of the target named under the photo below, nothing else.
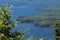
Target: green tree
(56, 28)
(6, 25)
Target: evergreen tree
(6, 25)
(56, 30)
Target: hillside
(40, 19)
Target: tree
(56, 30)
(6, 25)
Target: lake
(35, 31)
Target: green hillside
(40, 19)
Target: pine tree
(6, 25)
(56, 30)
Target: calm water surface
(36, 32)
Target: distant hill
(40, 19)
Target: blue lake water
(36, 32)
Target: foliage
(31, 38)
(6, 25)
(56, 28)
